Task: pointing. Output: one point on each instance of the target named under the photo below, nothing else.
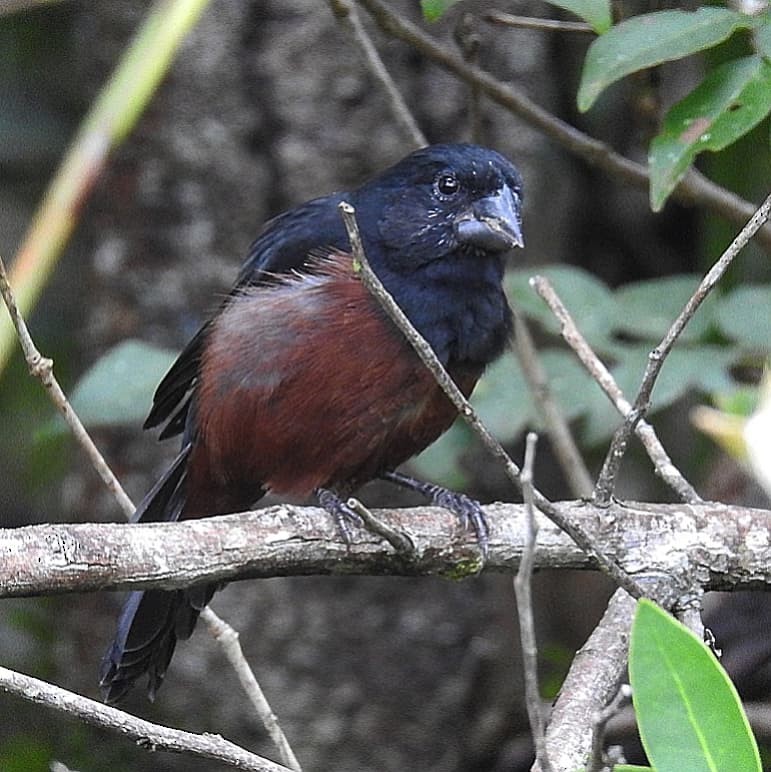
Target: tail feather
(152, 621)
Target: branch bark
(671, 549)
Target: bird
(300, 385)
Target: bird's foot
(353, 512)
(345, 517)
(467, 509)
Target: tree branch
(592, 682)
(693, 189)
(146, 734)
(556, 514)
(606, 481)
(662, 463)
(675, 546)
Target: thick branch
(594, 677)
(682, 546)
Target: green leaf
(697, 367)
(733, 99)
(595, 12)
(591, 304)
(631, 768)
(433, 10)
(688, 711)
(650, 39)
(648, 308)
(118, 389)
(745, 316)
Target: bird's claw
(468, 510)
(344, 516)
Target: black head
(441, 202)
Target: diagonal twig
(556, 513)
(662, 463)
(145, 733)
(557, 429)
(348, 14)
(692, 189)
(606, 481)
(42, 367)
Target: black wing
(283, 246)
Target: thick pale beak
(493, 224)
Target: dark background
(266, 106)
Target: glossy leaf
(650, 39)
(745, 316)
(648, 308)
(733, 99)
(595, 12)
(688, 711)
(118, 389)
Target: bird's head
(441, 202)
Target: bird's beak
(493, 223)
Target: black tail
(152, 621)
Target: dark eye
(447, 184)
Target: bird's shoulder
(284, 246)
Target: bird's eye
(447, 184)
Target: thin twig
(606, 481)
(398, 540)
(469, 42)
(601, 718)
(532, 22)
(227, 637)
(692, 189)
(347, 13)
(557, 514)
(146, 734)
(662, 463)
(523, 592)
(42, 368)
(570, 460)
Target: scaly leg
(467, 509)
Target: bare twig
(348, 14)
(693, 189)
(676, 542)
(557, 514)
(565, 448)
(523, 592)
(662, 463)
(531, 22)
(591, 683)
(607, 479)
(469, 42)
(398, 540)
(227, 637)
(146, 734)
(41, 367)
